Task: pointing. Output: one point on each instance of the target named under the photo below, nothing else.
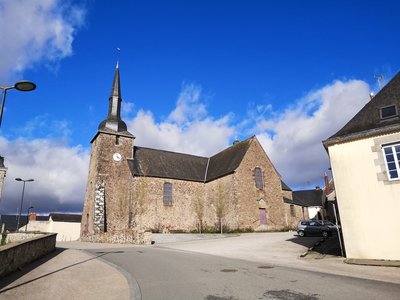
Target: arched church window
(167, 198)
(258, 177)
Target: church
(133, 190)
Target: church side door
(263, 216)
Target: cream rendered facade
(66, 231)
(369, 203)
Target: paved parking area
(284, 249)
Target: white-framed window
(167, 196)
(258, 177)
(391, 152)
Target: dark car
(314, 227)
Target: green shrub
(3, 238)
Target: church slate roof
(285, 187)
(167, 164)
(228, 160)
(367, 122)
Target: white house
(365, 162)
(67, 226)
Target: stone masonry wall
(18, 254)
(223, 200)
(151, 213)
(117, 180)
(87, 223)
(249, 195)
(190, 200)
(300, 213)
(235, 195)
(127, 236)
(99, 208)
(133, 203)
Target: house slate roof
(58, 217)
(167, 164)
(10, 221)
(367, 122)
(306, 198)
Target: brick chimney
(32, 216)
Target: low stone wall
(128, 236)
(24, 251)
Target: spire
(113, 121)
(116, 86)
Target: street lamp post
(23, 86)
(22, 198)
(27, 217)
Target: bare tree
(220, 205)
(198, 206)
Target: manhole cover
(265, 267)
(228, 270)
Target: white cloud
(127, 108)
(188, 128)
(34, 31)
(293, 139)
(188, 106)
(59, 172)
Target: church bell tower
(108, 200)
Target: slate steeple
(113, 122)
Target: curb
(313, 247)
(134, 289)
(373, 262)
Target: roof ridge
(169, 151)
(234, 145)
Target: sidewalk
(68, 274)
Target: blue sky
(195, 75)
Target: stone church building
(134, 189)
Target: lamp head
(25, 86)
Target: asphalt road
(163, 273)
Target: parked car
(329, 224)
(314, 227)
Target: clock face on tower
(117, 156)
